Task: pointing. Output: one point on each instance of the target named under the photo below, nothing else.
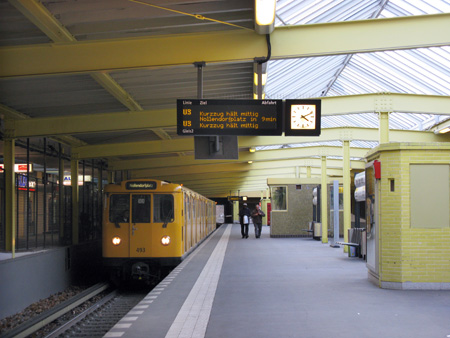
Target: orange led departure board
(229, 117)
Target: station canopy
(106, 74)
(416, 71)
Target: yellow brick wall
(409, 254)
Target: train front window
(163, 209)
(119, 208)
(141, 208)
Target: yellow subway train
(150, 226)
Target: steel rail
(81, 316)
(50, 315)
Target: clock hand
(304, 116)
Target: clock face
(303, 116)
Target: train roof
(147, 185)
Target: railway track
(94, 321)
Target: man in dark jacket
(244, 218)
(257, 215)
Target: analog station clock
(302, 117)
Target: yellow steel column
(75, 198)
(10, 184)
(61, 194)
(347, 192)
(384, 127)
(110, 177)
(323, 201)
(236, 212)
(264, 209)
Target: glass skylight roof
(418, 71)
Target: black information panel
(229, 117)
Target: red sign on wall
(19, 168)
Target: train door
(140, 227)
(184, 226)
(187, 223)
(194, 221)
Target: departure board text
(229, 117)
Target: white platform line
(193, 317)
(113, 334)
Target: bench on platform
(349, 244)
(357, 239)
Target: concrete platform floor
(287, 287)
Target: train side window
(141, 208)
(119, 208)
(162, 208)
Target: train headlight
(116, 241)
(165, 240)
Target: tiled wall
(299, 213)
(409, 256)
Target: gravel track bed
(38, 307)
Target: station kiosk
(408, 215)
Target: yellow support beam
(187, 144)
(220, 169)
(10, 195)
(384, 126)
(227, 187)
(74, 165)
(107, 122)
(165, 118)
(347, 194)
(228, 183)
(324, 200)
(392, 102)
(116, 90)
(361, 36)
(244, 156)
(135, 148)
(13, 117)
(227, 46)
(41, 17)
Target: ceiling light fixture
(265, 16)
(443, 127)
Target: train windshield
(162, 208)
(119, 208)
(141, 208)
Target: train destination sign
(229, 117)
(141, 185)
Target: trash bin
(317, 230)
(351, 251)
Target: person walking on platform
(257, 215)
(244, 218)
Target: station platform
(8, 255)
(280, 287)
